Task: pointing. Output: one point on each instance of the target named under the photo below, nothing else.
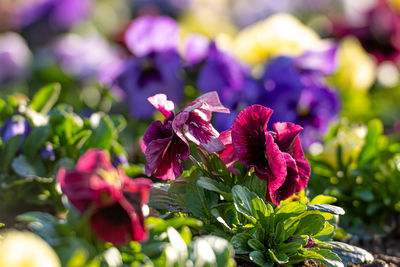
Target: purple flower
(16, 125)
(14, 57)
(223, 74)
(119, 159)
(85, 56)
(166, 144)
(275, 156)
(150, 34)
(148, 75)
(300, 95)
(196, 48)
(61, 14)
(47, 152)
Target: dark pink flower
(193, 122)
(164, 151)
(113, 200)
(166, 144)
(275, 156)
(228, 155)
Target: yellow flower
(278, 34)
(356, 70)
(25, 249)
(351, 141)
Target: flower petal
(207, 104)
(94, 159)
(276, 162)
(288, 188)
(112, 224)
(162, 104)
(248, 136)
(201, 132)
(155, 131)
(287, 138)
(164, 157)
(228, 155)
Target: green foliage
(364, 179)
(26, 176)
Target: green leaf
(256, 245)
(327, 208)
(364, 194)
(45, 98)
(323, 199)
(351, 254)
(256, 185)
(328, 230)
(212, 185)
(222, 249)
(278, 258)
(9, 151)
(258, 258)
(239, 242)
(103, 131)
(34, 142)
(289, 248)
(375, 129)
(286, 211)
(310, 225)
(250, 205)
(42, 224)
(28, 168)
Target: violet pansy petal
(276, 162)
(201, 132)
(196, 48)
(248, 135)
(149, 34)
(162, 104)
(322, 60)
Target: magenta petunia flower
(275, 156)
(166, 144)
(113, 200)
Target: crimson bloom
(113, 200)
(166, 144)
(275, 156)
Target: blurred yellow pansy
(351, 141)
(356, 70)
(25, 249)
(278, 34)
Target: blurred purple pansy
(275, 156)
(301, 96)
(85, 56)
(59, 13)
(16, 125)
(14, 57)
(145, 76)
(148, 34)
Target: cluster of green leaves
(232, 206)
(170, 243)
(27, 177)
(364, 184)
